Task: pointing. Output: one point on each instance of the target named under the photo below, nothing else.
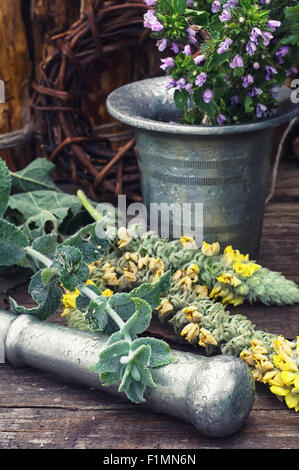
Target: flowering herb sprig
(126, 358)
(227, 58)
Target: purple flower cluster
(152, 22)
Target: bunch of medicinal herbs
(226, 58)
(199, 278)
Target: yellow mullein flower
(124, 237)
(292, 401)
(187, 242)
(288, 378)
(111, 279)
(233, 256)
(107, 293)
(191, 331)
(205, 338)
(210, 250)
(269, 375)
(280, 391)
(202, 292)
(283, 362)
(246, 270)
(247, 357)
(258, 347)
(283, 345)
(92, 268)
(165, 307)
(192, 314)
(227, 278)
(192, 271)
(185, 283)
(69, 299)
(128, 276)
(178, 275)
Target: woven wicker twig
(66, 131)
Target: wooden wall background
(26, 29)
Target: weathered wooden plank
(41, 411)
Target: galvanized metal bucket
(225, 167)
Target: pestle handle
(215, 394)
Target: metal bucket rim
(120, 104)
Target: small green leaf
(160, 351)
(12, 244)
(140, 321)
(99, 316)
(248, 104)
(141, 355)
(47, 297)
(70, 267)
(135, 392)
(151, 293)
(109, 360)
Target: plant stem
(88, 206)
(38, 256)
(82, 288)
(93, 296)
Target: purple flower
(216, 6)
(225, 16)
(208, 96)
(256, 66)
(270, 71)
(237, 62)
(224, 46)
(150, 21)
(187, 50)
(192, 30)
(273, 24)
(255, 33)
(161, 44)
(221, 119)
(175, 48)
(168, 62)
(255, 92)
(261, 110)
(180, 84)
(201, 79)
(247, 81)
(188, 88)
(282, 51)
(150, 3)
(231, 4)
(267, 37)
(291, 71)
(234, 100)
(199, 59)
(170, 84)
(251, 48)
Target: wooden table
(38, 410)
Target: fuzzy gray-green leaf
(12, 244)
(47, 297)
